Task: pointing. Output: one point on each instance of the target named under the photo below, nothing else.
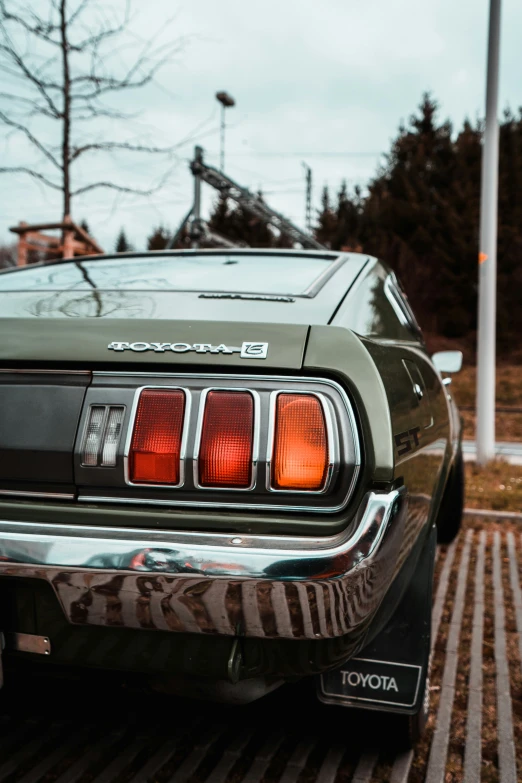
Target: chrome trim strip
(316, 286)
(331, 436)
(27, 494)
(88, 536)
(397, 309)
(213, 505)
(401, 306)
(184, 437)
(255, 439)
(339, 580)
(18, 370)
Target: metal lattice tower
(242, 196)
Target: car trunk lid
(159, 344)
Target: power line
(308, 154)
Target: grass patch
(497, 486)
(508, 394)
(508, 385)
(508, 426)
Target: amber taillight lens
(227, 435)
(155, 450)
(300, 454)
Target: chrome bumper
(256, 586)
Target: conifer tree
(219, 219)
(159, 239)
(421, 216)
(122, 245)
(326, 221)
(349, 216)
(240, 225)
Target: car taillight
(93, 435)
(102, 436)
(227, 437)
(155, 450)
(300, 456)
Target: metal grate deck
(110, 733)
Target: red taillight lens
(156, 440)
(225, 453)
(300, 455)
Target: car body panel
(84, 342)
(339, 351)
(217, 572)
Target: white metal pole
(486, 354)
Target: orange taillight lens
(227, 435)
(300, 455)
(155, 450)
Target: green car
(227, 470)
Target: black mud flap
(390, 673)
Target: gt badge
(407, 441)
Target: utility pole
(308, 202)
(196, 229)
(226, 102)
(487, 304)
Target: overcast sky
(326, 83)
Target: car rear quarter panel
(420, 428)
(337, 351)
(391, 415)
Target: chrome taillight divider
(255, 438)
(184, 438)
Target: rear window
(214, 273)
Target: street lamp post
(226, 102)
(486, 353)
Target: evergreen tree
(283, 241)
(326, 221)
(349, 220)
(219, 219)
(240, 225)
(250, 229)
(421, 216)
(159, 239)
(122, 245)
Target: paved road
(511, 451)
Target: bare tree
(61, 69)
